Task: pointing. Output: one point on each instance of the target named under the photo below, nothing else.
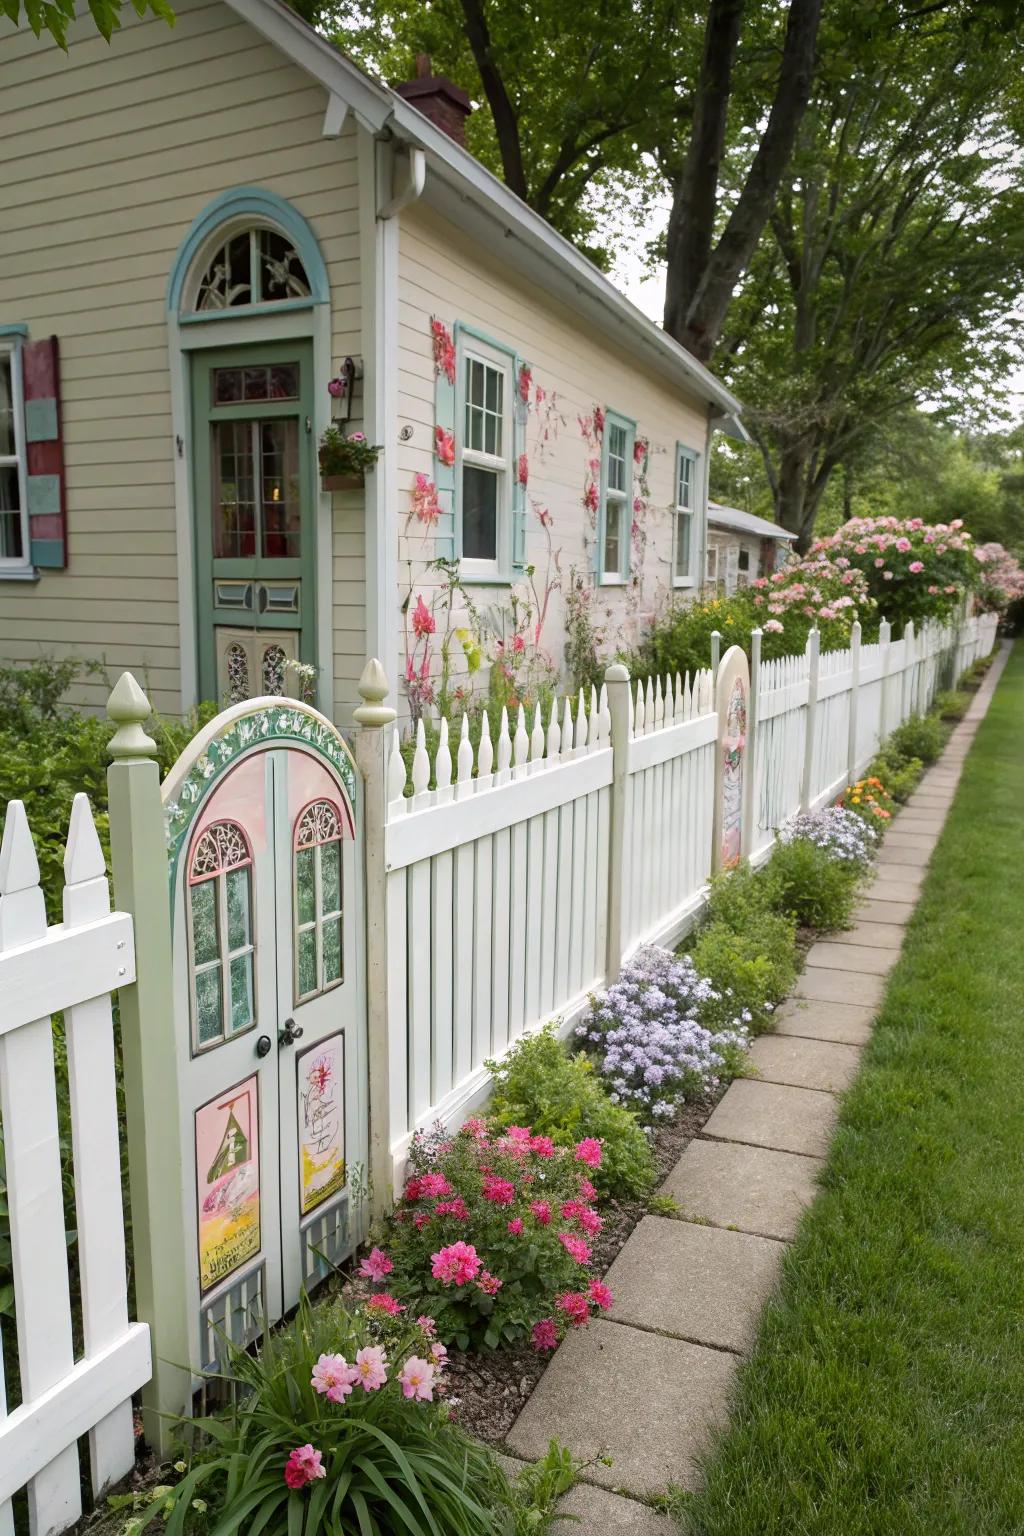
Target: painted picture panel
(733, 747)
(321, 1120)
(228, 1182)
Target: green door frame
(258, 568)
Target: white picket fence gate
(498, 899)
(64, 1392)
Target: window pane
(208, 1017)
(612, 544)
(683, 544)
(282, 275)
(227, 281)
(479, 513)
(284, 381)
(332, 950)
(274, 660)
(685, 482)
(234, 491)
(305, 886)
(239, 919)
(330, 876)
(256, 383)
(7, 448)
(279, 463)
(204, 922)
(11, 542)
(241, 993)
(617, 457)
(307, 962)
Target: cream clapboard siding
(108, 154)
(444, 274)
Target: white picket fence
(519, 876)
(63, 1393)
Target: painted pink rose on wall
(444, 445)
(425, 505)
(525, 382)
(523, 469)
(444, 349)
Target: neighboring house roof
(745, 522)
(481, 205)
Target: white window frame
(10, 346)
(745, 577)
(711, 578)
(685, 509)
(471, 349)
(623, 499)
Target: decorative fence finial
(129, 709)
(373, 690)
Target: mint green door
(254, 498)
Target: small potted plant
(344, 460)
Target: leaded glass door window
(318, 901)
(255, 490)
(221, 935)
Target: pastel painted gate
(270, 1018)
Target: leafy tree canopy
(55, 16)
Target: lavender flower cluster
(647, 1035)
(842, 833)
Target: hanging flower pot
(349, 482)
(344, 460)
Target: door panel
(252, 663)
(254, 493)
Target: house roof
(482, 206)
(745, 522)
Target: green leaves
(55, 16)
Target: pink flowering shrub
(339, 1423)
(1002, 578)
(914, 570)
(494, 1226)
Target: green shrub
(952, 705)
(751, 968)
(920, 736)
(900, 777)
(812, 888)
(540, 1084)
(389, 1462)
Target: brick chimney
(438, 98)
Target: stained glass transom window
(220, 934)
(319, 946)
(273, 671)
(254, 266)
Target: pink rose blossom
(544, 1334)
(303, 1466)
(599, 1294)
(519, 1133)
(439, 1355)
(575, 1247)
(420, 1220)
(515, 1226)
(333, 1378)
(385, 1303)
(541, 1211)
(589, 1151)
(416, 1377)
(444, 446)
(587, 1191)
(498, 1191)
(428, 1326)
(370, 1368)
(434, 1185)
(916, 566)
(523, 469)
(457, 1208)
(456, 1265)
(376, 1265)
(490, 1284)
(574, 1305)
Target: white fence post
(750, 786)
(851, 750)
(617, 683)
(908, 701)
(716, 655)
(138, 854)
(884, 642)
(813, 655)
(372, 716)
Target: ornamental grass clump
(646, 1034)
(492, 1236)
(337, 1425)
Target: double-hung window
(685, 536)
(14, 547)
(485, 468)
(616, 498)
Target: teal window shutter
(44, 480)
(444, 473)
(520, 467)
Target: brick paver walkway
(647, 1383)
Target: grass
(886, 1391)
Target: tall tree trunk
(691, 224)
(802, 474)
(696, 304)
(506, 118)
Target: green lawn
(886, 1393)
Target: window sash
(10, 354)
(486, 388)
(614, 533)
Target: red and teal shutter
(47, 517)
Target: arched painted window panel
(319, 915)
(221, 948)
(238, 674)
(248, 249)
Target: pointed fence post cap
(129, 709)
(373, 690)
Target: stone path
(646, 1383)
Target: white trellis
(70, 968)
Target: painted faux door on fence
(254, 493)
(266, 887)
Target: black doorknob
(264, 1045)
(289, 1034)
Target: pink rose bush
(493, 1227)
(1002, 578)
(903, 561)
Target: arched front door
(271, 1028)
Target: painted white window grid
(319, 921)
(484, 467)
(685, 505)
(14, 539)
(617, 496)
(225, 967)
